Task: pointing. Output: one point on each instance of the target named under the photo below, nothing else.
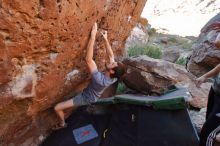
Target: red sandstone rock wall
(42, 50)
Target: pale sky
(181, 17)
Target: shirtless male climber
(99, 80)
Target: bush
(121, 88)
(187, 46)
(173, 40)
(152, 31)
(181, 61)
(149, 50)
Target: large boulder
(206, 55)
(171, 54)
(43, 44)
(154, 76)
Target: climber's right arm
(90, 48)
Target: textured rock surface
(205, 54)
(149, 76)
(198, 117)
(139, 35)
(42, 54)
(171, 55)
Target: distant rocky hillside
(185, 6)
(172, 47)
(182, 17)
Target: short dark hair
(119, 71)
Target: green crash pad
(170, 101)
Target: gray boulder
(153, 76)
(206, 55)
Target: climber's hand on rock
(104, 34)
(199, 81)
(94, 30)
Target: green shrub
(152, 31)
(172, 39)
(181, 61)
(187, 46)
(149, 50)
(121, 88)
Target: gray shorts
(79, 100)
